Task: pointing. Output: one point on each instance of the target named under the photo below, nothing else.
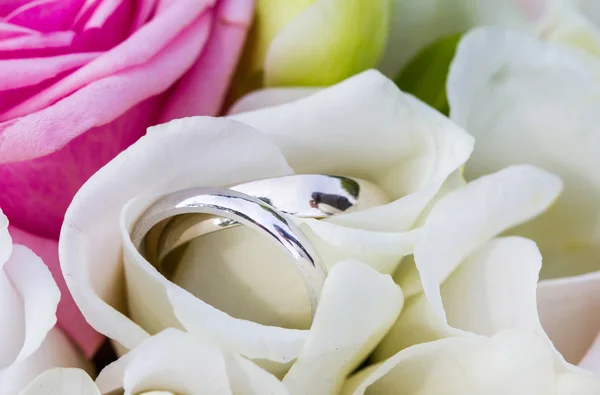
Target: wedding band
(302, 195)
(177, 218)
(246, 210)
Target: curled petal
(337, 342)
(55, 351)
(182, 363)
(468, 217)
(511, 362)
(62, 381)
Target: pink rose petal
(46, 15)
(138, 49)
(144, 10)
(202, 90)
(78, 329)
(8, 30)
(29, 184)
(111, 21)
(49, 44)
(17, 73)
(88, 8)
(8, 6)
(54, 141)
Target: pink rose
(81, 80)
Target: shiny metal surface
(303, 195)
(236, 206)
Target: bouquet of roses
(300, 197)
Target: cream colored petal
(511, 362)
(356, 309)
(182, 363)
(246, 378)
(12, 322)
(568, 309)
(486, 286)
(577, 384)
(172, 361)
(39, 296)
(269, 97)
(188, 152)
(528, 101)
(416, 24)
(55, 351)
(245, 337)
(466, 218)
(418, 323)
(62, 381)
(494, 289)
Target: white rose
(373, 131)
(463, 281)
(29, 342)
(532, 101)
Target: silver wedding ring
(177, 218)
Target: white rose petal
(577, 384)
(171, 362)
(62, 381)
(38, 294)
(338, 339)
(182, 363)
(269, 97)
(55, 351)
(468, 217)
(511, 362)
(501, 275)
(250, 339)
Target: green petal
(425, 75)
(328, 42)
(270, 18)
